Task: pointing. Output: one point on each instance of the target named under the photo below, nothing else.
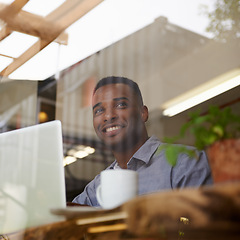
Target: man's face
(118, 117)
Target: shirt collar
(147, 150)
(144, 153)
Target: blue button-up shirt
(155, 173)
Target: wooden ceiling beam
(4, 32)
(4, 55)
(75, 10)
(30, 24)
(15, 7)
(72, 10)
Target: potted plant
(218, 133)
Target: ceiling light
(71, 152)
(68, 160)
(89, 150)
(80, 154)
(80, 147)
(42, 117)
(202, 93)
(80, 151)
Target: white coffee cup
(116, 187)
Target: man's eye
(98, 111)
(121, 105)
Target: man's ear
(144, 113)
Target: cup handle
(98, 195)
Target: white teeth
(112, 129)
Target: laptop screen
(31, 176)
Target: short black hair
(124, 80)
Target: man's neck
(123, 157)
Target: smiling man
(119, 117)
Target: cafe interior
(185, 58)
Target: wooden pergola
(47, 29)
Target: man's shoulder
(152, 140)
(147, 149)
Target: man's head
(119, 115)
(123, 80)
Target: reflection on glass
(168, 60)
(18, 104)
(31, 177)
(165, 58)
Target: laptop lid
(31, 176)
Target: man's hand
(71, 204)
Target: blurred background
(184, 54)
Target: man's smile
(110, 129)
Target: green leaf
(218, 130)
(172, 155)
(159, 149)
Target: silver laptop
(31, 176)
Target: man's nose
(110, 115)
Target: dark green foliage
(217, 124)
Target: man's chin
(114, 144)
(118, 146)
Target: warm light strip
(103, 218)
(108, 228)
(202, 93)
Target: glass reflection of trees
(224, 19)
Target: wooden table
(205, 213)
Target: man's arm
(190, 172)
(88, 196)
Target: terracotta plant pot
(224, 159)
